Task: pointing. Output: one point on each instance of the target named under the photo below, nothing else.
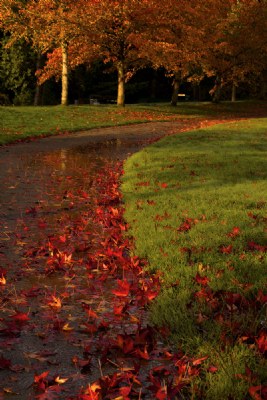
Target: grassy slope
(196, 203)
(18, 123)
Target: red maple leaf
(142, 353)
(202, 280)
(164, 185)
(123, 288)
(118, 309)
(212, 369)
(234, 232)
(186, 225)
(258, 392)
(92, 314)
(41, 381)
(226, 249)
(161, 394)
(262, 342)
(20, 317)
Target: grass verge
(196, 204)
(19, 123)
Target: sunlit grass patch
(196, 203)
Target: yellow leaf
(61, 380)
(66, 327)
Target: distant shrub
(23, 99)
(4, 100)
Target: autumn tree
(46, 25)
(224, 39)
(174, 38)
(111, 30)
(236, 43)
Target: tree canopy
(225, 39)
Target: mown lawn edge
(195, 203)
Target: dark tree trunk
(263, 86)
(176, 87)
(215, 92)
(38, 88)
(196, 92)
(153, 86)
(233, 96)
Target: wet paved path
(52, 195)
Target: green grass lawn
(18, 123)
(196, 203)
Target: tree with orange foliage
(110, 30)
(46, 25)
(237, 44)
(221, 38)
(225, 39)
(177, 41)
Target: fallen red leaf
(142, 353)
(161, 394)
(123, 288)
(226, 249)
(202, 280)
(258, 392)
(212, 369)
(234, 232)
(262, 342)
(92, 314)
(20, 317)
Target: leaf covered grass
(196, 203)
(19, 123)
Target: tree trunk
(263, 86)
(234, 87)
(176, 87)
(153, 85)
(121, 85)
(215, 92)
(64, 90)
(37, 94)
(195, 92)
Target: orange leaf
(2, 280)
(41, 377)
(92, 314)
(55, 302)
(199, 361)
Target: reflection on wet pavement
(48, 200)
